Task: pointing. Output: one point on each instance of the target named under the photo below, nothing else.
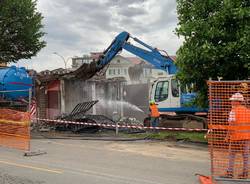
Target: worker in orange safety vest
(238, 134)
(154, 114)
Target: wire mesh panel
(229, 129)
(14, 129)
(15, 119)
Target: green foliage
(20, 30)
(216, 42)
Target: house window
(110, 72)
(161, 91)
(125, 71)
(114, 71)
(119, 71)
(118, 61)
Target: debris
(43, 129)
(78, 114)
(34, 153)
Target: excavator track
(183, 121)
(180, 121)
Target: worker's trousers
(154, 121)
(236, 147)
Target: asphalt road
(104, 162)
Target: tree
(20, 30)
(216, 42)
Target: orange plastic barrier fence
(15, 129)
(229, 129)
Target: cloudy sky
(78, 27)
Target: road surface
(104, 162)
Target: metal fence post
(30, 98)
(116, 128)
(116, 118)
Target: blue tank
(14, 78)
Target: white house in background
(134, 70)
(119, 67)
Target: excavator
(173, 100)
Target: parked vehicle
(15, 84)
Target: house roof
(80, 74)
(134, 60)
(173, 58)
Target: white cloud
(78, 27)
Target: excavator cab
(171, 97)
(166, 93)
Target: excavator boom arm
(149, 54)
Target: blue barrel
(12, 81)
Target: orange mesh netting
(229, 129)
(14, 129)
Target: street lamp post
(65, 61)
